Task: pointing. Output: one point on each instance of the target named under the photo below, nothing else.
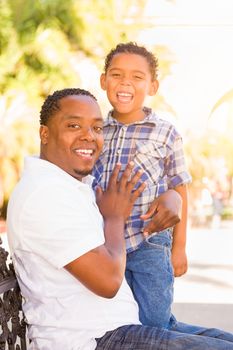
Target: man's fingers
(133, 181)
(125, 178)
(150, 212)
(114, 176)
(135, 194)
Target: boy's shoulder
(162, 122)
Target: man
(70, 266)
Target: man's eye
(73, 126)
(98, 129)
(115, 75)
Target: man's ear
(103, 81)
(44, 134)
(153, 88)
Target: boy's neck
(128, 118)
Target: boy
(134, 132)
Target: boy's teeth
(124, 94)
(124, 97)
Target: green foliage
(56, 14)
(41, 44)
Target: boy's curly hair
(51, 103)
(134, 48)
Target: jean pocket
(158, 256)
(160, 241)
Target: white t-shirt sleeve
(61, 223)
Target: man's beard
(82, 172)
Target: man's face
(73, 138)
(127, 83)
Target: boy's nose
(125, 81)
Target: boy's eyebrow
(134, 71)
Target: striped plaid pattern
(155, 146)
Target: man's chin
(82, 173)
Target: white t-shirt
(52, 220)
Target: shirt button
(118, 151)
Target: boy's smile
(127, 83)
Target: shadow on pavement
(209, 315)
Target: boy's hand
(179, 261)
(119, 197)
(164, 211)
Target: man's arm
(102, 269)
(164, 211)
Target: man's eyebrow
(67, 117)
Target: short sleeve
(61, 223)
(176, 166)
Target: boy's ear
(103, 81)
(153, 88)
(44, 134)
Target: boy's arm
(179, 258)
(164, 212)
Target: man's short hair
(51, 103)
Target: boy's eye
(116, 75)
(138, 77)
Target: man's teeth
(88, 152)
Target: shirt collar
(35, 162)
(150, 117)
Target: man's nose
(88, 134)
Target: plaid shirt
(153, 145)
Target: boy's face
(73, 137)
(127, 83)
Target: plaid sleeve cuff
(179, 179)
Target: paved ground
(205, 294)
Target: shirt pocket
(151, 157)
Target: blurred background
(47, 45)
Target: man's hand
(119, 197)
(102, 269)
(164, 211)
(179, 261)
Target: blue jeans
(149, 274)
(138, 337)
